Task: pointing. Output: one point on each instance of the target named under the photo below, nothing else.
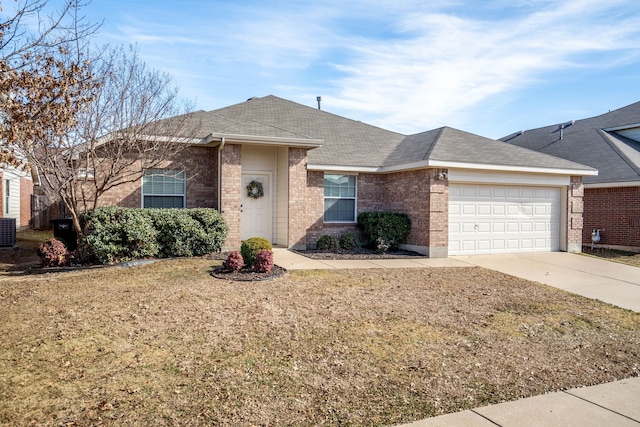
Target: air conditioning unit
(7, 231)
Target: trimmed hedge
(114, 234)
(250, 248)
(349, 241)
(327, 243)
(385, 230)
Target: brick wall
(409, 192)
(200, 166)
(617, 211)
(231, 196)
(26, 190)
(300, 207)
(418, 193)
(315, 208)
(575, 195)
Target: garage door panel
(512, 219)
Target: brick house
(610, 143)
(464, 194)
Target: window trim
(7, 197)
(354, 198)
(183, 195)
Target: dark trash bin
(63, 230)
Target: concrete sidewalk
(292, 261)
(612, 404)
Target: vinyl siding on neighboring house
(16, 202)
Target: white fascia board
(507, 168)
(613, 184)
(333, 168)
(451, 165)
(615, 128)
(266, 140)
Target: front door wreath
(255, 190)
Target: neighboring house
(15, 195)
(610, 143)
(464, 194)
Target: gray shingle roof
(346, 142)
(617, 158)
(349, 143)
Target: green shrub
(385, 230)
(114, 234)
(349, 241)
(264, 261)
(250, 248)
(53, 253)
(327, 243)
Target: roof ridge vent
(513, 135)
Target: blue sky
(487, 67)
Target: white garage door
(487, 219)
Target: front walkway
(611, 404)
(292, 261)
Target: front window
(339, 198)
(163, 188)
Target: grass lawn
(624, 257)
(167, 344)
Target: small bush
(250, 248)
(264, 261)
(234, 261)
(385, 230)
(53, 253)
(349, 241)
(327, 243)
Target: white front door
(256, 212)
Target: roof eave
(307, 143)
(423, 164)
(613, 184)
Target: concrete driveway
(607, 281)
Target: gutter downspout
(220, 147)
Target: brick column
(298, 222)
(438, 213)
(575, 193)
(26, 190)
(231, 198)
(314, 213)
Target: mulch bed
(361, 253)
(247, 275)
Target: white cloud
(451, 64)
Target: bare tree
(44, 74)
(133, 123)
(86, 120)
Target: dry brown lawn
(167, 344)
(623, 257)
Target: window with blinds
(163, 188)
